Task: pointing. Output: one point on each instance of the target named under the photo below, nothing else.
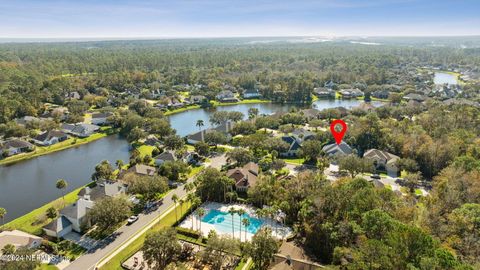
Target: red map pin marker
(338, 135)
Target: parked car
(132, 220)
(375, 176)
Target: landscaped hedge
(188, 232)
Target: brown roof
(245, 176)
(142, 169)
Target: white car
(132, 220)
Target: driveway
(81, 240)
(114, 242)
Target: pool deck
(192, 222)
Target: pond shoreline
(55, 148)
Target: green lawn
(195, 170)
(145, 150)
(418, 192)
(46, 267)
(245, 101)
(182, 109)
(298, 161)
(28, 223)
(43, 150)
(167, 221)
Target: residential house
(365, 106)
(251, 93)
(330, 84)
(334, 149)
(383, 161)
(323, 92)
(293, 146)
(415, 97)
(351, 93)
(101, 118)
(245, 177)
(15, 146)
(196, 99)
(165, 156)
(292, 257)
(142, 169)
(74, 216)
(310, 114)
(81, 130)
(226, 96)
(383, 94)
(152, 140)
(200, 136)
(19, 239)
(302, 135)
(50, 137)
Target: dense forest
(33, 73)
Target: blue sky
(217, 18)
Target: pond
(184, 122)
(444, 77)
(29, 184)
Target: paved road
(89, 260)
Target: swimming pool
(223, 221)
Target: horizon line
(120, 38)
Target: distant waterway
(27, 185)
(184, 122)
(444, 77)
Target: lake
(29, 184)
(184, 122)
(443, 78)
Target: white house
(15, 146)
(251, 93)
(19, 239)
(101, 118)
(81, 130)
(383, 161)
(74, 216)
(50, 137)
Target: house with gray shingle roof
(293, 146)
(165, 156)
(50, 137)
(334, 149)
(15, 146)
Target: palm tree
(200, 124)
(246, 223)
(3, 212)
(119, 164)
(200, 212)
(62, 184)
(240, 213)
(232, 212)
(182, 202)
(175, 199)
(252, 113)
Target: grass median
(168, 220)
